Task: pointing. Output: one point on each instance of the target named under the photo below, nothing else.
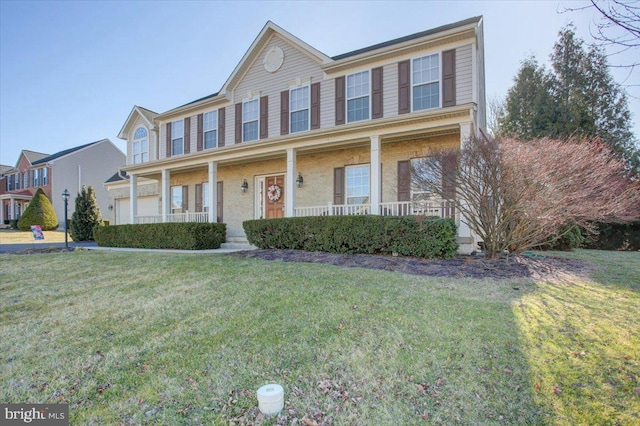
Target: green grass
(152, 338)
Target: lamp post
(65, 197)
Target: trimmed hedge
(366, 234)
(183, 236)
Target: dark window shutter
(284, 112)
(404, 87)
(219, 201)
(315, 106)
(187, 135)
(168, 138)
(340, 100)
(185, 198)
(338, 185)
(198, 197)
(264, 117)
(238, 136)
(449, 165)
(376, 93)
(200, 139)
(404, 180)
(221, 126)
(448, 78)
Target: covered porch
(307, 173)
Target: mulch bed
(458, 267)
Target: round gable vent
(273, 59)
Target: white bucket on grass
(270, 399)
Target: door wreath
(274, 192)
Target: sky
(71, 71)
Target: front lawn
(151, 338)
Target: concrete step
(237, 245)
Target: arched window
(140, 146)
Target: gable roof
(4, 169)
(32, 156)
(403, 39)
(60, 154)
(119, 176)
(147, 116)
(256, 48)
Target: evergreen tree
(530, 107)
(86, 215)
(39, 212)
(578, 98)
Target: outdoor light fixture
(110, 207)
(65, 197)
(244, 186)
(299, 180)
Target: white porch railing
(201, 217)
(439, 208)
(331, 209)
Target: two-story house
(294, 132)
(90, 165)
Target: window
(205, 197)
(10, 182)
(358, 96)
(37, 177)
(428, 174)
(299, 109)
(426, 82)
(140, 146)
(357, 184)
(25, 179)
(18, 179)
(177, 137)
(210, 129)
(250, 120)
(176, 199)
(45, 176)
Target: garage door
(147, 206)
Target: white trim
(173, 126)
(346, 96)
(204, 130)
(440, 85)
(253, 99)
(308, 108)
(139, 141)
(346, 183)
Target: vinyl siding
(327, 103)
(296, 65)
(464, 78)
(390, 90)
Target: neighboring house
(90, 165)
(293, 132)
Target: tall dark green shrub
(87, 215)
(39, 212)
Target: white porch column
(376, 178)
(166, 194)
(213, 192)
(12, 212)
(133, 198)
(464, 232)
(465, 133)
(290, 184)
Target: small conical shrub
(39, 212)
(86, 216)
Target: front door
(274, 196)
